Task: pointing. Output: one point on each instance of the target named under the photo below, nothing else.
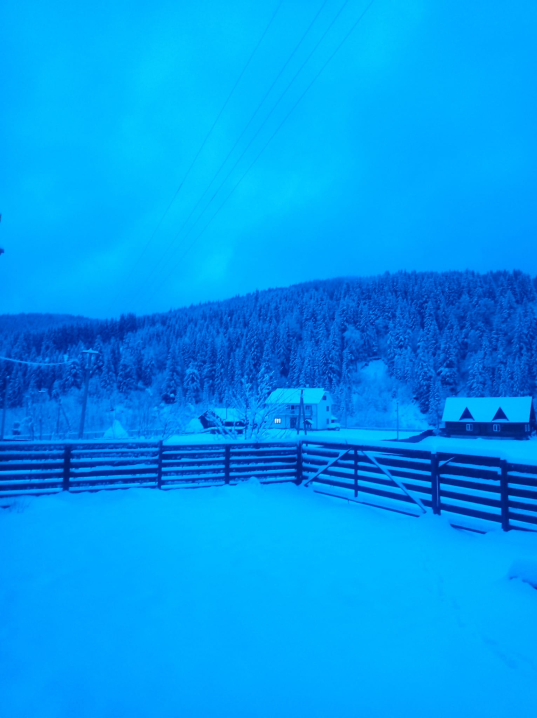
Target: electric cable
(284, 66)
(205, 140)
(329, 59)
(33, 363)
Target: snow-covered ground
(259, 601)
(350, 435)
(522, 451)
(510, 449)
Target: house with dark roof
(499, 417)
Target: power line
(284, 66)
(329, 59)
(297, 73)
(325, 33)
(33, 363)
(207, 136)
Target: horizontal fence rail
(477, 492)
(472, 491)
(45, 467)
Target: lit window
(469, 427)
(496, 427)
(277, 421)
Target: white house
(318, 405)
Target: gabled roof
(226, 414)
(220, 414)
(466, 414)
(292, 396)
(515, 409)
(500, 415)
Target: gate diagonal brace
(445, 463)
(395, 481)
(327, 466)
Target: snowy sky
(414, 149)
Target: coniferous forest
(438, 334)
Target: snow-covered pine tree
(170, 379)
(192, 384)
(435, 402)
(477, 378)
(126, 378)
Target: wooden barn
(317, 409)
(497, 417)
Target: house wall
(487, 429)
(317, 414)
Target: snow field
(255, 600)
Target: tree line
(438, 333)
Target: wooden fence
(476, 492)
(45, 468)
(472, 491)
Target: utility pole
(301, 414)
(4, 408)
(58, 417)
(89, 361)
(41, 394)
(398, 420)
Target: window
(277, 421)
(307, 410)
(327, 408)
(469, 427)
(527, 427)
(496, 427)
(291, 408)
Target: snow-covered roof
(515, 409)
(224, 414)
(292, 396)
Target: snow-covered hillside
(258, 601)
(414, 338)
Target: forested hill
(36, 322)
(439, 334)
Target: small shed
(286, 404)
(220, 418)
(507, 417)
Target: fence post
(504, 494)
(67, 466)
(356, 473)
(159, 465)
(435, 484)
(299, 475)
(227, 462)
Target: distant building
(508, 417)
(318, 405)
(221, 418)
